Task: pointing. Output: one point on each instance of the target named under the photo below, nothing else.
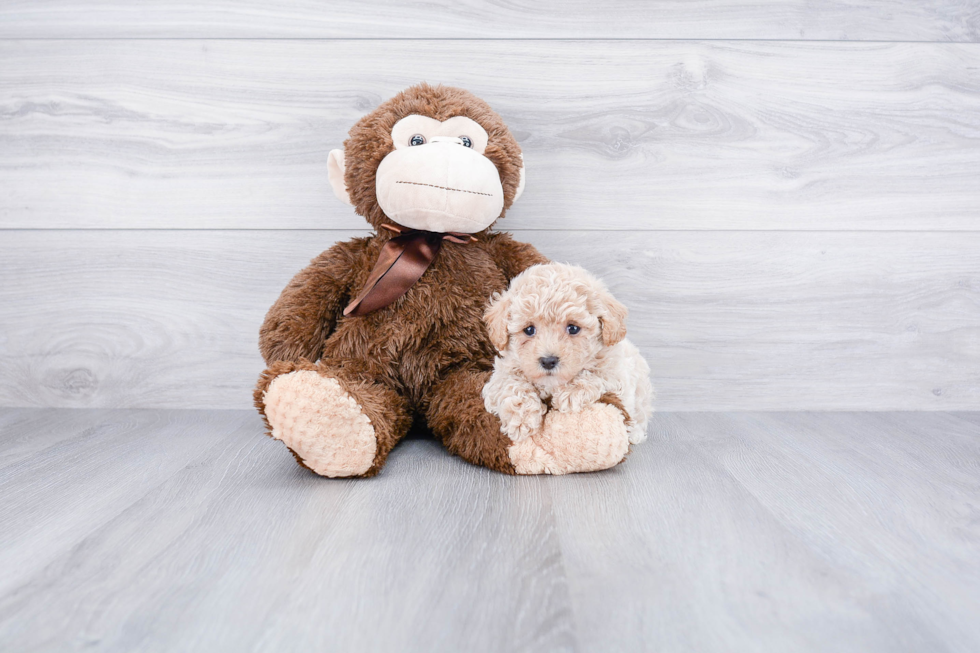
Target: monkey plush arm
(513, 257)
(307, 311)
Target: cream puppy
(561, 338)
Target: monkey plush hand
(382, 330)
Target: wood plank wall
(786, 196)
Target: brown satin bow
(402, 261)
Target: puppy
(560, 335)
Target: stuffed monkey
(383, 330)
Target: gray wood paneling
(901, 20)
(728, 321)
(617, 135)
(27, 432)
(240, 549)
(970, 417)
(789, 532)
(192, 531)
(84, 475)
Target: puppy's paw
(575, 396)
(521, 416)
(525, 429)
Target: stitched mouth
(458, 190)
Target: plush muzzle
(440, 186)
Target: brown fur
(613, 400)
(428, 353)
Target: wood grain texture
(86, 474)
(903, 20)
(798, 531)
(968, 416)
(27, 432)
(619, 135)
(728, 321)
(243, 550)
(192, 531)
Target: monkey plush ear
(335, 173)
(520, 184)
(612, 317)
(496, 318)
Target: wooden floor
(179, 530)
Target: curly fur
(554, 299)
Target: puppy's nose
(548, 362)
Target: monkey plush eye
(529, 330)
(466, 141)
(418, 139)
(573, 329)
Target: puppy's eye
(573, 329)
(466, 141)
(418, 139)
(529, 331)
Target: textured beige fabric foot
(323, 424)
(593, 439)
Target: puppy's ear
(612, 317)
(496, 317)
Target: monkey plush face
(437, 177)
(431, 158)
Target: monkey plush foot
(587, 441)
(320, 423)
